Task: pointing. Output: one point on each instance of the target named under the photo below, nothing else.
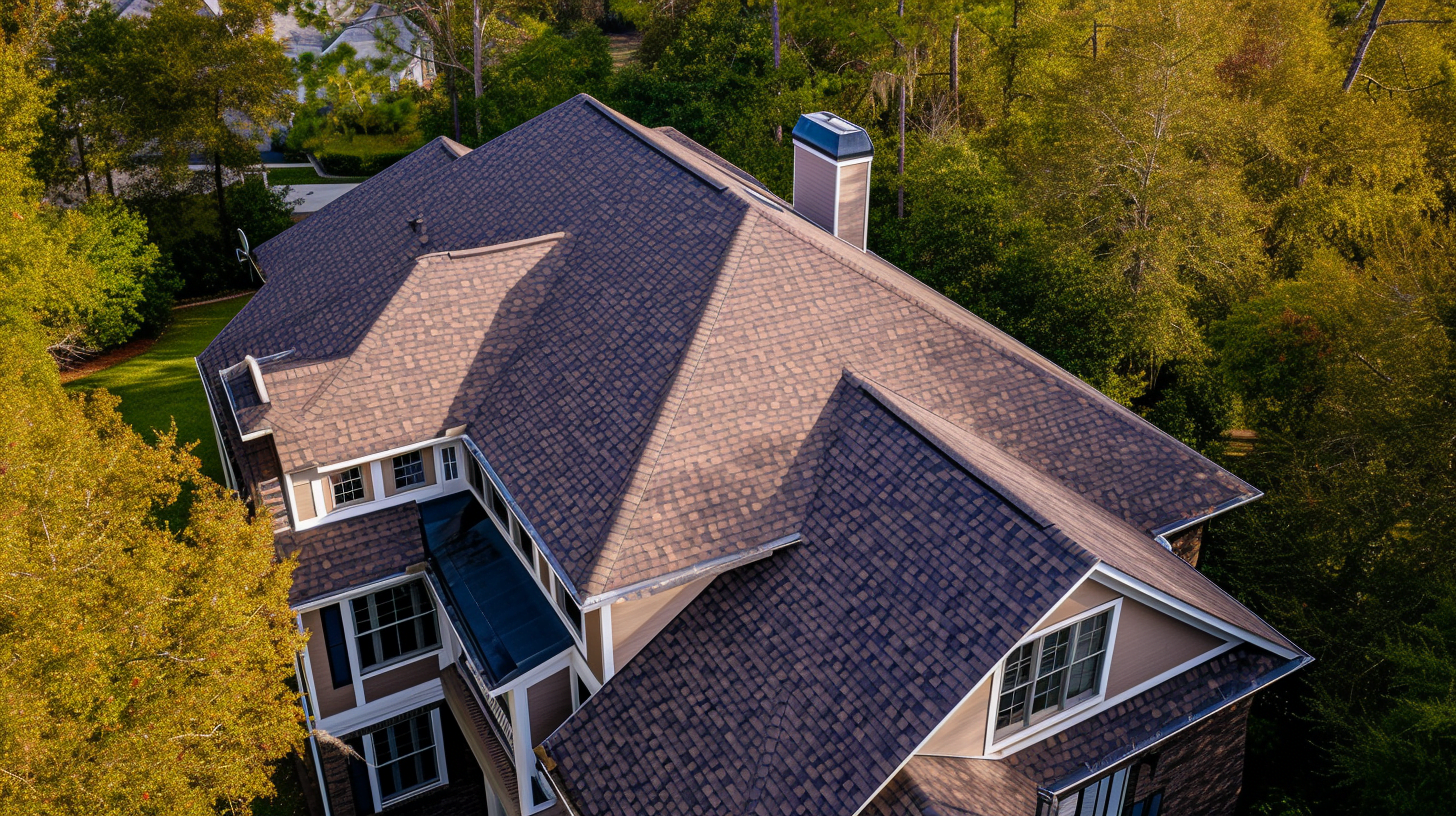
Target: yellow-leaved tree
(143, 669)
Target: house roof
(352, 552)
(797, 684)
(955, 786)
(657, 410)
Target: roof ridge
(650, 454)
(912, 290)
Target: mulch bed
(120, 354)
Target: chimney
(832, 175)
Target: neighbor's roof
(670, 354)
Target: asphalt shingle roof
(797, 684)
(955, 786)
(686, 340)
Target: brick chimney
(832, 175)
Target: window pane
(404, 754)
(1054, 652)
(348, 486)
(1091, 636)
(1084, 676)
(1048, 691)
(394, 623)
(498, 504)
(1012, 709)
(448, 464)
(409, 470)
(1018, 667)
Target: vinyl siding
(854, 190)
(635, 623)
(327, 699)
(1150, 643)
(549, 704)
(964, 731)
(814, 187)
(398, 679)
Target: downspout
(308, 721)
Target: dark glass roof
(506, 621)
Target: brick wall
(1201, 770)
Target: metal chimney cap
(839, 139)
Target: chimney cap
(837, 138)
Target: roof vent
(832, 175)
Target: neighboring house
(619, 485)
(407, 53)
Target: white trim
(374, 671)
(1140, 591)
(550, 666)
(351, 645)
(371, 762)
(355, 591)
(257, 375)
(375, 457)
(609, 649)
(227, 468)
(1039, 730)
(362, 507)
(442, 772)
(525, 758)
(360, 717)
(318, 501)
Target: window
(409, 470)
(338, 650)
(568, 605)
(394, 623)
(1104, 797)
(498, 505)
(1050, 674)
(523, 542)
(477, 478)
(449, 466)
(348, 486)
(404, 756)
(1149, 805)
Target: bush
(363, 155)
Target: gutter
(1160, 534)
(1071, 781)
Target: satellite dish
(242, 256)
(247, 250)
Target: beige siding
(854, 191)
(549, 704)
(814, 187)
(329, 700)
(635, 623)
(964, 731)
(1149, 643)
(1088, 595)
(303, 499)
(595, 647)
(400, 678)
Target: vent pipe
(832, 175)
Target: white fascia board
(346, 722)
(413, 446)
(1158, 599)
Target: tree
(214, 84)
(142, 669)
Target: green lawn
(306, 175)
(162, 383)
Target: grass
(306, 175)
(161, 384)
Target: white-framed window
(1055, 672)
(348, 485)
(1104, 796)
(409, 470)
(568, 605)
(449, 465)
(393, 624)
(407, 756)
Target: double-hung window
(409, 470)
(394, 623)
(449, 465)
(1103, 797)
(404, 756)
(1054, 672)
(348, 486)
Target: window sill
(385, 805)
(1040, 729)
(382, 668)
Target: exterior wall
(1200, 770)
(635, 623)
(814, 178)
(1150, 643)
(400, 678)
(329, 700)
(595, 646)
(964, 731)
(549, 704)
(303, 500)
(1088, 595)
(427, 459)
(854, 192)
